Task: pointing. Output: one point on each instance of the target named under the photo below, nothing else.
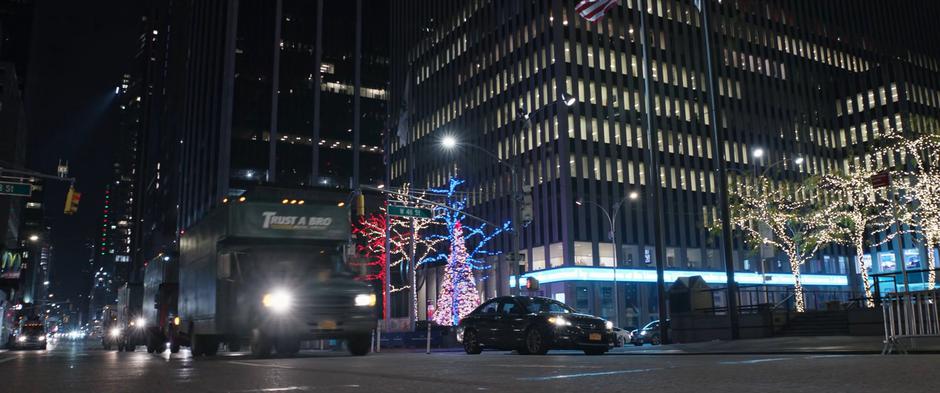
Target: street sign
(405, 211)
(880, 179)
(16, 189)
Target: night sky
(80, 51)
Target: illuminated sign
(649, 275)
(10, 264)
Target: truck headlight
(21, 339)
(115, 332)
(42, 338)
(609, 325)
(141, 323)
(278, 301)
(365, 300)
(559, 321)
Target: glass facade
(806, 80)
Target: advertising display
(10, 264)
(271, 220)
(887, 262)
(912, 258)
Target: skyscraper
(568, 100)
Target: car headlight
(643, 333)
(559, 321)
(365, 300)
(278, 301)
(21, 338)
(141, 323)
(609, 325)
(115, 332)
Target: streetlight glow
(633, 195)
(33, 238)
(449, 142)
(758, 153)
(798, 161)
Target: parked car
(648, 334)
(622, 336)
(533, 325)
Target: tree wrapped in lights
(917, 188)
(857, 209)
(458, 295)
(797, 226)
(375, 228)
(401, 231)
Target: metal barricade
(909, 315)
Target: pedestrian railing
(909, 315)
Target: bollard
(428, 349)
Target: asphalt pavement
(83, 367)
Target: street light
(568, 99)
(449, 142)
(758, 153)
(33, 238)
(611, 234)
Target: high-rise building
(249, 59)
(801, 83)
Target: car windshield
(542, 306)
(651, 325)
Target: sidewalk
(780, 345)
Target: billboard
(887, 261)
(272, 220)
(11, 262)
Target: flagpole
(653, 181)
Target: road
(77, 367)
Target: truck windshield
(289, 262)
(32, 330)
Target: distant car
(31, 336)
(648, 334)
(622, 336)
(533, 325)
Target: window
(489, 308)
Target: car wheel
(210, 346)
(595, 351)
(471, 344)
(535, 342)
(359, 345)
(655, 340)
(638, 344)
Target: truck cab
(268, 269)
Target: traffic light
(71, 200)
(525, 205)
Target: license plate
(594, 337)
(328, 325)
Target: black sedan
(533, 325)
(648, 334)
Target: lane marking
(262, 365)
(582, 375)
(539, 366)
(6, 360)
(754, 361)
(293, 389)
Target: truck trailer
(130, 319)
(267, 269)
(161, 293)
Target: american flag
(593, 10)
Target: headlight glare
(115, 332)
(365, 300)
(278, 301)
(609, 325)
(42, 338)
(141, 322)
(21, 338)
(559, 321)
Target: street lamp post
(449, 142)
(611, 216)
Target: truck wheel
(260, 345)
(359, 345)
(150, 349)
(287, 346)
(234, 345)
(211, 346)
(174, 347)
(130, 347)
(196, 346)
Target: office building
(497, 74)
